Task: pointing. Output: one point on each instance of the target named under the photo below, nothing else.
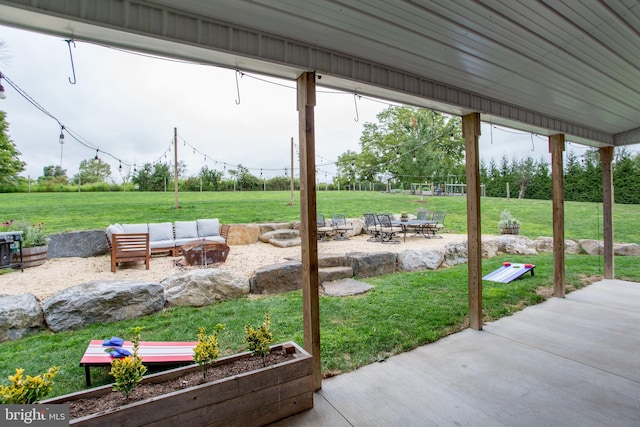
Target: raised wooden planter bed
(253, 398)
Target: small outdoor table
(152, 353)
(204, 252)
(420, 224)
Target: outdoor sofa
(167, 237)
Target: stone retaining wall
(110, 301)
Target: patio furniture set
(203, 241)
(336, 230)
(384, 228)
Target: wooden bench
(126, 247)
(152, 353)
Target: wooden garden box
(254, 398)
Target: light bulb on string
(61, 139)
(2, 95)
(397, 153)
(96, 157)
(120, 166)
(414, 158)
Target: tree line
(406, 149)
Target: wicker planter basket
(512, 229)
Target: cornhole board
(509, 272)
(152, 353)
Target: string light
(2, 95)
(61, 139)
(96, 158)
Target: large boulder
(266, 227)
(198, 288)
(591, 247)
(102, 302)
(243, 234)
(81, 244)
(372, 264)
(489, 247)
(456, 253)
(626, 249)
(20, 315)
(275, 278)
(415, 260)
(282, 238)
(545, 244)
(516, 245)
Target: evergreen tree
(10, 163)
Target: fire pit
(204, 252)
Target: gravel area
(59, 273)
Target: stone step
(329, 274)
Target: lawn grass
(403, 311)
(90, 211)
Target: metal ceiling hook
(238, 87)
(73, 68)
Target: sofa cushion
(208, 227)
(186, 230)
(218, 239)
(135, 228)
(113, 229)
(160, 231)
(162, 244)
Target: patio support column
(309, 230)
(471, 133)
(556, 148)
(606, 157)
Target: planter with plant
(243, 389)
(404, 216)
(508, 224)
(26, 389)
(34, 242)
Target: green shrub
(258, 340)
(206, 351)
(129, 370)
(27, 389)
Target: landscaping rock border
(109, 301)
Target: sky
(124, 108)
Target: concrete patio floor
(565, 362)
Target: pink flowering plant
(32, 234)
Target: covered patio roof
(570, 66)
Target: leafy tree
(210, 178)
(92, 170)
(244, 179)
(10, 164)
(154, 177)
(347, 168)
(411, 145)
(54, 174)
(524, 171)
